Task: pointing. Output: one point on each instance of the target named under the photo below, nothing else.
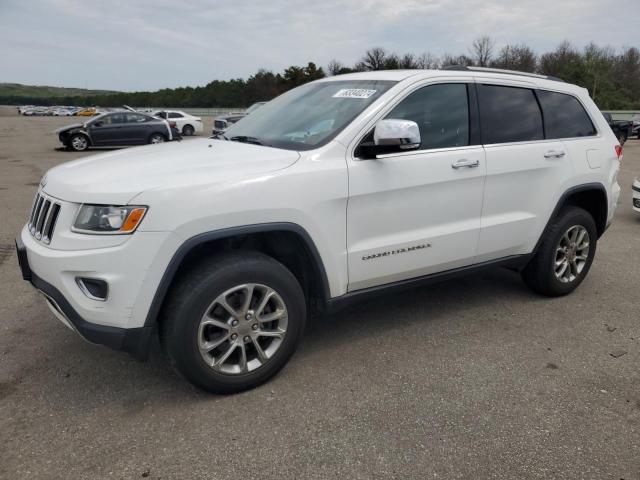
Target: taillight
(619, 152)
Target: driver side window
(441, 112)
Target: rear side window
(509, 114)
(135, 118)
(175, 115)
(441, 112)
(564, 116)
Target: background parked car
(185, 123)
(622, 128)
(87, 112)
(221, 123)
(117, 129)
(636, 125)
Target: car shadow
(87, 376)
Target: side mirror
(96, 124)
(403, 134)
(391, 136)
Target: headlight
(108, 219)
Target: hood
(116, 177)
(69, 127)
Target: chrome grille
(43, 218)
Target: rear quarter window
(564, 116)
(509, 114)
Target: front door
(418, 212)
(107, 130)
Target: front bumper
(132, 340)
(132, 270)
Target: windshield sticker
(354, 93)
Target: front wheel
(565, 255)
(157, 138)
(233, 322)
(187, 130)
(78, 142)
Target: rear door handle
(465, 163)
(554, 154)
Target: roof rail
(499, 70)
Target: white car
(636, 195)
(342, 188)
(63, 112)
(187, 124)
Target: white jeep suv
(336, 190)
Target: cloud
(150, 44)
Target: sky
(150, 44)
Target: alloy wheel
(79, 142)
(572, 253)
(242, 329)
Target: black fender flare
(593, 186)
(191, 243)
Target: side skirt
(516, 262)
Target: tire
(188, 130)
(157, 138)
(544, 274)
(188, 335)
(78, 142)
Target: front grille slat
(42, 220)
(34, 217)
(50, 224)
(42, 214)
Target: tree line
(611, 76)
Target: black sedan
(117, 129)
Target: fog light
(93, 288)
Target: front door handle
(554, 154)
(465, 163)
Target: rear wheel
(78, 142)
(188, 130)
(565, 255)
(233, 322)
(157, 138)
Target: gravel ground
(473, 378)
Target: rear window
(509, 114)
(564, 116)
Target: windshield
(308, 116)
(254, 107)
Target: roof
(508, 77)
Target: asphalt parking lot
(474, 378)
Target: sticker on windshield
(354, 93)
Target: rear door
(418, 212)
(524, 170)
(137, 128)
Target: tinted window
(111, 119)
(509, 114)
(161, 114)
(135, 118)
(441, 112)
(174, 115)
(564, 116)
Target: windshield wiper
(219, 136)
(245, 139)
